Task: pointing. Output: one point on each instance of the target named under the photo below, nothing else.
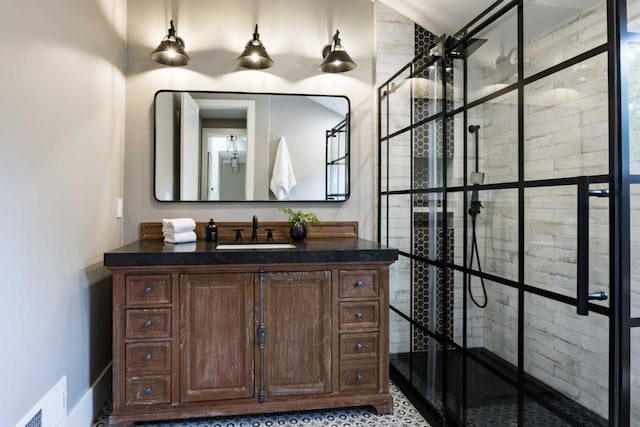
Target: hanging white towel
(282, 179)
(178, 225)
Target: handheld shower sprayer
(476, 177)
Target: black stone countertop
(156, 252)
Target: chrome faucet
(254, 233)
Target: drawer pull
(358, 377)
(359, 346)
(148, 389)
(359, 284)
(147, 357)
(147, 290)
(148, 324)
(359, 315)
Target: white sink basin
(246, 246)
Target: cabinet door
(297, 312)
(216, 336)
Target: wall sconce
(336, 59)
(171, 51)
(232, 143)
(254, 56)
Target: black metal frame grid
(339, 132)
(619, 182)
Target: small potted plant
(298, 219)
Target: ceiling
(440, 16)
(449, 16)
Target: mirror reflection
(230, 146)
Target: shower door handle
(582, 262)
(598, 296)
(583, 295)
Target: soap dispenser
(212, 231)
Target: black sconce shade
(171, 51)
(254, 55)
(336, 59)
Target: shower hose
(474, 210)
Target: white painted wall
(294, 33)
(61, 169)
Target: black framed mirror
(235, 146)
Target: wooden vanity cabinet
(297, 312)
(216, 336)
(208, 340)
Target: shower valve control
(477, 178)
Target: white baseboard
(85, 412)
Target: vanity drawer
(145, 357)
(148, 323)
(359, 377)
(148, 289)
(148, 390)
(359, 346)
(359, 284)
(359, 315)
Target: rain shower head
(463, 49)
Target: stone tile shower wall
(394, 49)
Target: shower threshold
(491, 398)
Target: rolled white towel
(184, 237)
(178, 225)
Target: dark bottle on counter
(212, 231)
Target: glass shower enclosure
(506, 163)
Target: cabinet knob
(359, 284)
(359, 315)
(147, 290)
(147, 356)
(148, 389)
(148, 324)
(359, 346)
(358, 377)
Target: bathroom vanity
(200, 331)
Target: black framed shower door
(499, 184)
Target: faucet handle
(269, 234)
(254, 232)
(238, 234)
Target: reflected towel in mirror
(282, 179)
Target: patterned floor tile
(404, 415)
